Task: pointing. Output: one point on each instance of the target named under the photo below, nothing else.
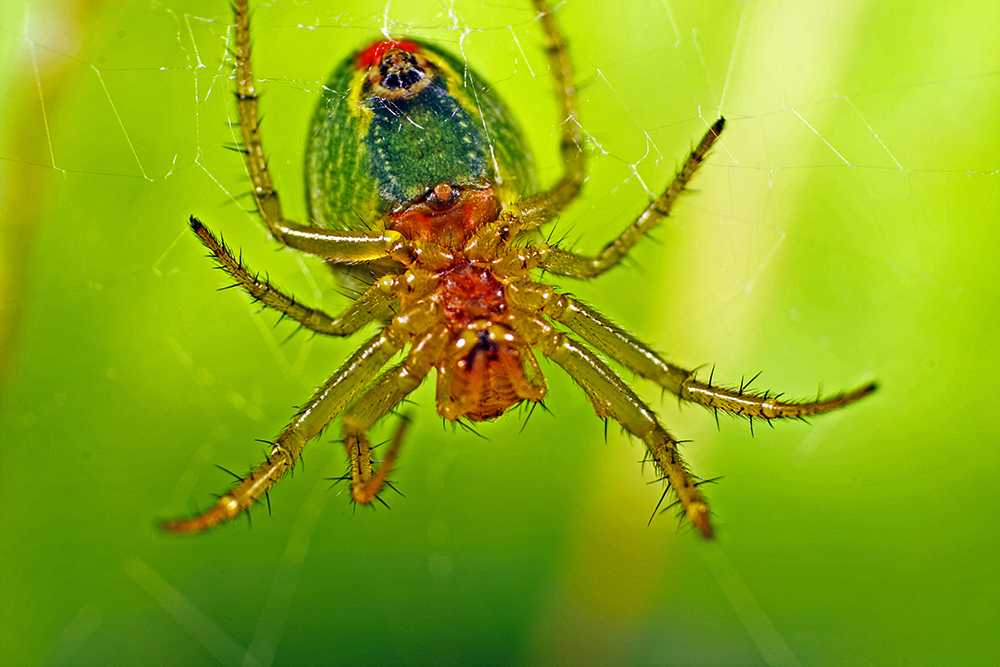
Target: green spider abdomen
(397, 120)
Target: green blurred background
(845, 230)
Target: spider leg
(366, 308)
(544, 206)
(764, 405)
(566, 263)
(385, 393)
(611, 397)
(337, 245)
(621, 346)
(326, 404)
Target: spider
(420, 189)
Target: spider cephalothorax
(421, 188)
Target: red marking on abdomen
(373, 53)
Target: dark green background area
(845, 230)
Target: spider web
(844, 230)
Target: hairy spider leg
(384, 394)
(368, 307)
(621, 346)
(325, 405)
(335, 245)
(544, 206)
(566, 263)
(612, 398)
(369, 490)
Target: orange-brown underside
(447, 217)
(482, 372)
